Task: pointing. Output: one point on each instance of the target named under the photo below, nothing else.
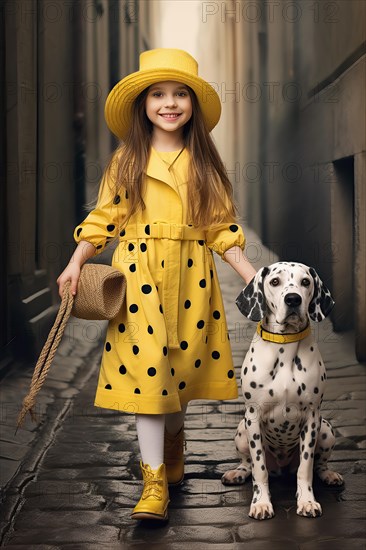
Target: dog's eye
(274, 282)
(305, 282)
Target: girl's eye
(157, 94)
(305, 282)
(182, 94)
(274, 282)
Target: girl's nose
(170, 101)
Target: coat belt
(174, 233)
(161, 230)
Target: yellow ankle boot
(154, 500)
(174, 457)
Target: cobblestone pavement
(72, 481)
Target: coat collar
(157, 169)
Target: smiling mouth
(170, 116)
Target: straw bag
(100, 295)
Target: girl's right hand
(70, 273)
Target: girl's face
(168, 106)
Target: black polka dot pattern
(139, 356)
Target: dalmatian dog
(283, 378)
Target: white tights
(150, 433)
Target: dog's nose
(293, 300)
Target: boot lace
(153, 488)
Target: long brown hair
(210, 193)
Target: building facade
(292, 81)
(58, 61)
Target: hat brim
(118, 106)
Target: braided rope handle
(46, 356)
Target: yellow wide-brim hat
(159, 65)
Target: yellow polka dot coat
(169, 344)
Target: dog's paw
(331, 478)
(261, 510)
(309, 509)
(235, 477)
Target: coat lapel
(157, 169)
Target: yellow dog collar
(282, 338)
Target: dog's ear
(322, 302)
(251, 301)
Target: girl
(166, 197)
